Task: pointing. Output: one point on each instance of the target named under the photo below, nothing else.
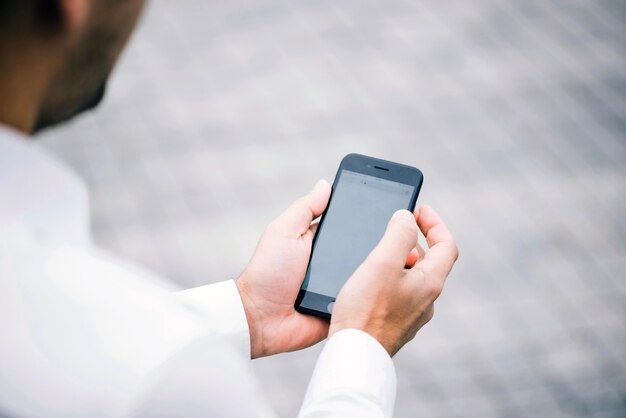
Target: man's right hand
(391, 295)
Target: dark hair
(3, 8)
(43, 11)
(9, 7)
(5, 11)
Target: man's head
(59, 53)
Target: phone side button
(330, 306)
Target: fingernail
(319, 186)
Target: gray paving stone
(222, 113)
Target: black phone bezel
(363, 164)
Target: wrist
(251, 317)
(380, 334)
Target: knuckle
(455, 251)
(300, 202)
(431, 313)
(272, 225)
(433, 290)
(381, 264)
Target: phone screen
(354, 223)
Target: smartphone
(365, 194)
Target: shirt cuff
(220, 305)
(354, 361)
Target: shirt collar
(40, 192)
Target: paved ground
(223, 112)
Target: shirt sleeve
(221, 307)
(354, 376)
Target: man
(83, 334)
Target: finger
(442, 251)
(313, 228)
(399, 240)
(413, 258)
(296, 220)
(420, 251)
(415, 255)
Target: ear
(70, 15)
(74, 13)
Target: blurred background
(223, 112)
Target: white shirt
(83, 334)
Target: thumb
(299, 215)
(399, 240)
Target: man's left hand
(271, 281)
